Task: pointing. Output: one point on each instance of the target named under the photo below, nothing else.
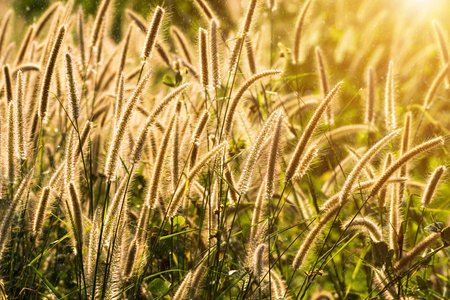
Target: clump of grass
(202, 180)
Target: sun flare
(224, 149)
(420, 4)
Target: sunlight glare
(422, 3)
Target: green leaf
(435, 227)
(380, 253)
(124, 166)
(422, 284)
(445, 236)
(340, 249)
(443, 278)
(47, 283)
(178, 221)
(231, 286)
(178, 79)
(158, 287)
(226, 181)
(167, 80)
(175, 234)
(51, 246)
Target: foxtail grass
(152, 33)
(433, 182)
(307, 133)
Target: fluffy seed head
(414, 252)
(203, 52)
(356, 171)
(298, 30)
(250, 163)
(11, 144)
(8, 84)
(427, 197)
(402, 160)
(293, 164)
(304, 164)
(443, 47)
(312, 237)
(151, 199)
(234, 102)
(214, 52)
(366, 224)
(74, 101)
(98, 23)
(206, 10)
(132, 253)
(45, 87)
(77, 214)
(40, 212)
(153, 32)
(248, 17)
(20, 118)
(258, 260)
(250, 55)
(119, 132)
(183, 289)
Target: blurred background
(353, 34)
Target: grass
(281, 151)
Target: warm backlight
(423, 3)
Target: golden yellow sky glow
(427, 4)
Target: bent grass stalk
(175, 202)
(298, 30)
(119, 132)
(307, 133)
(356, 171)
(414, 252)
(433, 182)
(443, 48)
(250, 163)
(308, 242)
(439, 141)
(324, 84)
(239, 94)
(366, 224)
